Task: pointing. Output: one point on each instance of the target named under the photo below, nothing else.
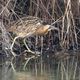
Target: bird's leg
(13, 46)
(27, 46)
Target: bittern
(29, 26)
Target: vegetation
(63, 14)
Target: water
(60, 67)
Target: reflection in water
(54, 68)
(27, 76)
(6, 73)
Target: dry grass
(64, 14)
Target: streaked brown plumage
(28, 26)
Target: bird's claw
(33, 52)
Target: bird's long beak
(53, 28)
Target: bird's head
(50, 27)
(44, 29)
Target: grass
(64, 14)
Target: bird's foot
(33, 52)
(13, 53)
(35, 56)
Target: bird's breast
(41, 31)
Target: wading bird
(29, 26)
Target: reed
(63, 14)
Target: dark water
(64, 66)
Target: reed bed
(63, 14)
